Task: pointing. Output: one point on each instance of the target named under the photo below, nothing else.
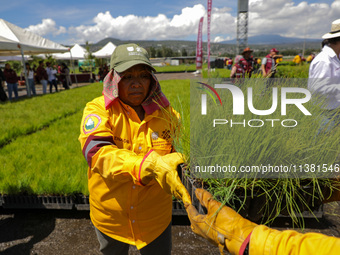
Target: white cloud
(188, 17)
(218, 39)
(286, 18)
(158, 27)
(283, 17)
(48, 26)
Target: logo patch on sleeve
(91, 123)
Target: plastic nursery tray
(37, 202)
(77, 201)
(252, 207)
(82, 203)
(250, 210)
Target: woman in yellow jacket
(126, 139)
(230, 231)
(297, 59)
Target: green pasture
(179, 68)
(39, 148)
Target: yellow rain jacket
(267, 241)
(120, 206)
(297, 59)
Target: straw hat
(246, 50)
(335, 30)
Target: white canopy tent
(106, 51)
(15, 41)
(17, 57)
(76, 52)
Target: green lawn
(39, 148)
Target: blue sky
(69, 22)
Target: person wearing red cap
(268, 66)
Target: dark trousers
(161, 245)
(53, 83)
(3, 96)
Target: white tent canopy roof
(106, 51)
(17, 58)
(77, 52)
(12, 37)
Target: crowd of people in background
(52, 75)
(102, 72)
(245, 64)
(242, 66)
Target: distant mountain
(172, 44)
(260, 43)
(273, 39)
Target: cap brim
(124, 66)
(330, 35)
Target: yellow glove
(221, 225)
(164, 170)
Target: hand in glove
(164, 170)
(221, 225)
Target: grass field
(40, 152)
(39, 148)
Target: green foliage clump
(309, 143)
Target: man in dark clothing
(12, 81)
(42, 76)
(3, 96)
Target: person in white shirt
(324, 74)
(52, 80)
(30, 77)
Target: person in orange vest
(228, 230)
(126, 138)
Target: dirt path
(173, 76)
(44, 232)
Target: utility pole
(242, 26)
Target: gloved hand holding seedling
(164, 170)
